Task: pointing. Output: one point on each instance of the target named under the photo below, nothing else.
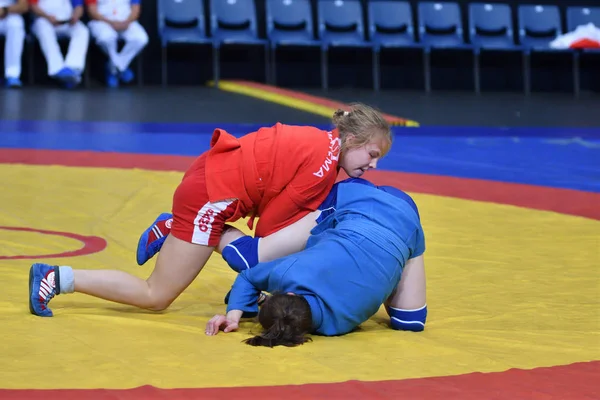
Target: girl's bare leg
(288, 240)
(284, 242)
(410, 294)
(178, 264)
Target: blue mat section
(60, 127)
(572, 163)
(562, 157)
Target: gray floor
(200, 104)
(148, 104)
(488, 109)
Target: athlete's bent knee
(156, 302)
(159, 305)
(242, 253)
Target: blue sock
(242, 253)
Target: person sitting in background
(111, 20)
(12, 27)
(58, 17)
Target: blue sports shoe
(13, 83)
(66, 75)
(43, 279)
(153, 238)
(111, 76)
(127, 76)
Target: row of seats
(389, 24)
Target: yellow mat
(507, 287)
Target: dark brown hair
(285, 319)
(364, 123)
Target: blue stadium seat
(180, 21)
(577, 16)
(440, 27)
(538, 26)
(233, 22)
(340, 25)
(490, 28)
(390, 26)
(289, 23)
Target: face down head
(286, 320)
(365, 137)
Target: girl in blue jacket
(365, 250)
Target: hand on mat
(220, 322)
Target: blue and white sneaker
(153, 238)
(43, 286)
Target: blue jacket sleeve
(76, 3)
(247, 287)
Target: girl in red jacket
(279, 174)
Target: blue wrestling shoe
(153, 238)
(43, 279)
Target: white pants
(13, 28)
(46, 34)
(135, 38)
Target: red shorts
(195, 218)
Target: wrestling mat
(513, 250)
